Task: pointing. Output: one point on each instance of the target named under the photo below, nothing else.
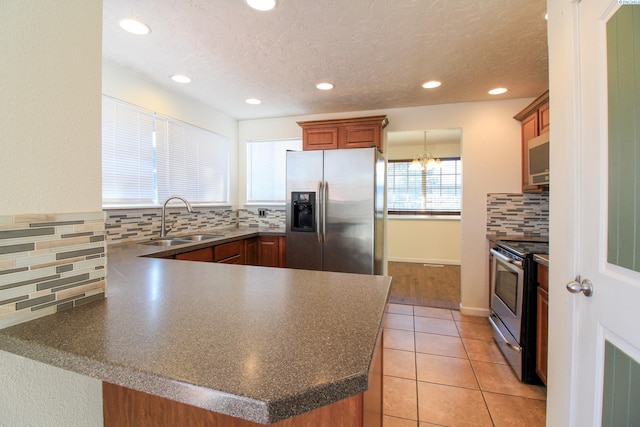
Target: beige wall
(490, 161)
(50, 150)
(424, 240)
(50, 141)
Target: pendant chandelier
(425, 161)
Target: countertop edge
(541, 259)
(202, 397)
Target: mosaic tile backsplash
(520, 214)
(142, 224)
(49, 263)
(273, 218)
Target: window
(147, 158)
(267, 170)
(429, 192)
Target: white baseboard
(426, 261)
(474, 311)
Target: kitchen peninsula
(245, 344)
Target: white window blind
(267, 169)
(192, 162)
(147, 158)
(127, 155)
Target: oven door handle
(515, 348)
(506, 259)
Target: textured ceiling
(376, 52)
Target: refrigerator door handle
(318, 211)
(325, 200)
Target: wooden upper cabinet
(360, 132)
(543, 118)
(320, 138)
(535, 121)
(361, 136)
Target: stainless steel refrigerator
(335, 210)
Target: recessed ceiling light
(546, 16)
(253, 101)
(325, 86)
(135, 27)
(181, 78)
(262, 4)
(431, 84)
(497, 91)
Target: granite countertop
(258, 343)
(541, 259)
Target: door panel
(304, 172)
(350, 180)
(606, 213)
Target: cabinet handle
(324, 210)
(317, 208)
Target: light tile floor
(442, 368)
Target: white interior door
(605, 375)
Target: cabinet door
(205, 255)
(361, 136)
(269, 251)
(320, 138)
(251, 251)
(529, 131)
(543, 117)
(542, 323)
(542, 334)
(283, 252)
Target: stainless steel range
(513, 304)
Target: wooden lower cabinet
(266, 251)
(204, 255)
(251, 251)
(542, 323)
(124, 407)
(271, 251)
(229, 253)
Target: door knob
(576, 286)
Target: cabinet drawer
(233, 260)
(228, 250)
(205, 255)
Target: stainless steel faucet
(163, 229)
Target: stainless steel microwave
(539, 160)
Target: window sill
(425, 217)
(265, 204)
(172, 205)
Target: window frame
(425, 212)
(159, 186)
(250, 170)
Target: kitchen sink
(166, 242)
(200, 237)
